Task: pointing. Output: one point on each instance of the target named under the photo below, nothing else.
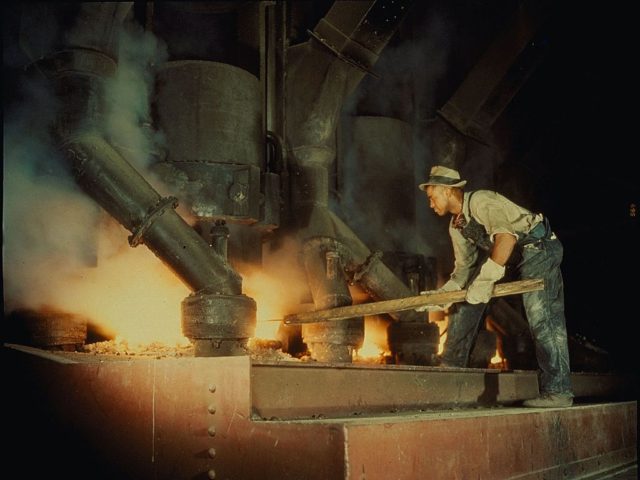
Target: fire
(443, 338)
(275, 296)
(129, 294)
(443, 323)
(498, 361)
(374, 345)
(496, 358)
(277, 286)
(369, 349)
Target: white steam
(61, 250)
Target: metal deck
(195, 418)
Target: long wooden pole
(407, 303)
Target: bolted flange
(218, 325)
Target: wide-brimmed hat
(447, 177)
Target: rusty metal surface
(156, 419)
(192, 418)
(510, 444)
(325, 390)
(304, 390)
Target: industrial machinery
(223, 137)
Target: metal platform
(225, 417)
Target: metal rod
(407, 303)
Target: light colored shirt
(497, 214)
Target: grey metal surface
(218, 325)
(328, 285)
(210, 112)
(212, 115)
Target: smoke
(46, 220)
(409, 74)
(127, 120)
(60, 249)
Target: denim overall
(541, 254)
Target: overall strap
(475, 232)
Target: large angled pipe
(498, 75)
(114, 184)
(217, 317)
(321, 73)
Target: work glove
(481, 288)
(450, 286)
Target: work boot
(550, 400)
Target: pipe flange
(351, 61)
(207, 316)
(136, 238)
(363, 269)
(76, 61)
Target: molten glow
(369, 349)
(375, 340)
(442, 327)
(497, 359)
(443, 338)
(274, 298)
(130, 293)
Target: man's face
(438, 199)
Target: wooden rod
(407, 303)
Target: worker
(486, 229)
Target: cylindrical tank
(211, 114)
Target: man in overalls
(485, 229)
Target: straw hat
(444, 176)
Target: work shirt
(497, 214)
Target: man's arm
(503, 245)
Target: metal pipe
(112, 182)
(328, 284)
(220, 238)
(370, 272)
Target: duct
(318, 81)
(126, 196)
(319, 78)
(114, 184)
(328, 285)
(498, 75)
(411, 338)
(356, 32)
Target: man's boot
(550, 400)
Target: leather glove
(450, 286)
(481, 288)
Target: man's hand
(450, 286)
(481, 288)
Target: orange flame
(496, 359)
(277, 287)
(130, 293)
(375, 344)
